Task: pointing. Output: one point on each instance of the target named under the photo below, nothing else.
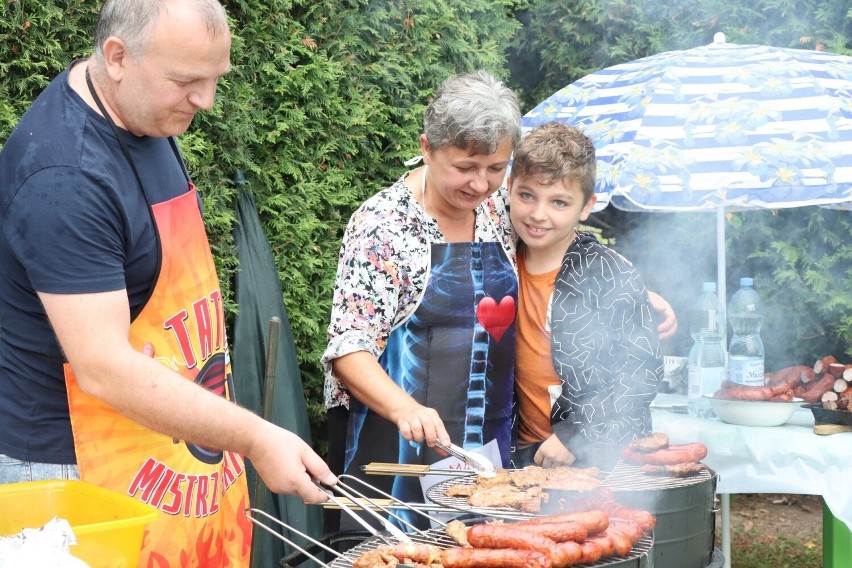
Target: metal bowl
(753, 412)
(825, 416)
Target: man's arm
(93, 329)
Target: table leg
(726, 528)
(836, 541)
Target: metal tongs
(480, 464)
(350, 494)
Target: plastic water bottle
(707, 356)
(745, 313)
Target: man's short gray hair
(474, 111)
(133, 22)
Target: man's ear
(116, 57)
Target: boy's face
(544, 216)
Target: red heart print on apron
(496, 318)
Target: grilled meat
(528, 500)
(376, 558)
(673, 454)
(675, 470)
(457, 531)
(522, 489)
(652, 443)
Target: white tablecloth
(781, 459)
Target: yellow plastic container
(108, 525)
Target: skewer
(413, 507)
(394, 531)
(412, 470)
(287, 540)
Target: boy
(588, 359)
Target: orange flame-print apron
(201, 493)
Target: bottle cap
(709, 287)
(746, 282)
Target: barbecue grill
(639, 557)
(683, 506)
(437, 496)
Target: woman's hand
(361, 373)
(552, 453)
(420, 423)
(668, 327)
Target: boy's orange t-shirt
(534, 371)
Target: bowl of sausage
(753, 412)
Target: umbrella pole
(267, 394)
(721, 276)
(721, 279)
(271, 364)
(267, 406)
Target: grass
(751, 549)
(775, 531)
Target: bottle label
(746, 370)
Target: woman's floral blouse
(382, 271)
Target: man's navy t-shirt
(73, 220)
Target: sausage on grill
(493, 558)
(508, 536)
(644, 519)
(566, 554)
(591, 552)
(629, 528)
(558, 532)
(621, 544)
(604, 542)
(678, 453)
(594, 521)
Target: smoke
(798, 270)
(674, 252)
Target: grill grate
(623, 477)
(436, 495)
(630, 477)
(637, 557)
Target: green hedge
(324, 102)
(800, 258)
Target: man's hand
(668, 327)
(552, 453)
(288, 465)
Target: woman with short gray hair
(421, 339)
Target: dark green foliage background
(325, 101)
(799, 257)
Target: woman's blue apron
(456, 354)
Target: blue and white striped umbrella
(723, 125)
